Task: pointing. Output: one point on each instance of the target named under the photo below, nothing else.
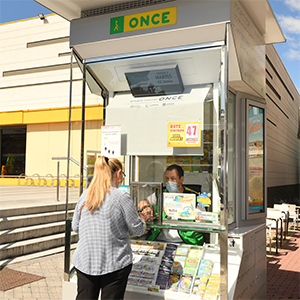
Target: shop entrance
(13, 149)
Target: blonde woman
(103, 218)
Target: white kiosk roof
(259, 11)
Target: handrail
(58, 176)
(19, 177)
(71, 159)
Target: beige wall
(283, 102)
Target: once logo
(151, 19)
(170, 98)
(146, 21)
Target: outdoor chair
(274, 220)
(285, 217)
(294, 213)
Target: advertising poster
(111, 141)
(180, 206)
(184, 134)
(91, 159)
(256, 159)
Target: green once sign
(116, 25)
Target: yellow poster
(184, 134)
(180, 206)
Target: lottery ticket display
(173, 268)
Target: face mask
(172, 187)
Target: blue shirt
(104, 243)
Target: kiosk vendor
(174, 184)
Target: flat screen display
(155, 82)
(256, 159)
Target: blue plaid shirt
(104, 243)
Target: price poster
(111, 141)
(184, 134)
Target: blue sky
(287, 13)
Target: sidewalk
(283, 269)
(24, 196)
(49, 288)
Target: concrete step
(11, 222)
(20, 248)
(30, 232)
(39, 254)
(4, 213)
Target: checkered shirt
(104, 243)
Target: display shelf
(169, 270)
(192, 165)
(172, 270)
(182, 225)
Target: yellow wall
(49, 115)
(45, 141)
(47, 137)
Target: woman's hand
(145, 210)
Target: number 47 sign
(184, 134)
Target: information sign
(184, 134)
(111, 141)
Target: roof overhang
(264, 19)
(259, 11)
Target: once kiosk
(184, 82)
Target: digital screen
(155, 82)
(256, 159)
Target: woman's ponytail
(103, 173)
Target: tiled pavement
(50, 288)
(283, 271)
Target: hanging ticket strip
(174, 269)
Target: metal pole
(57, 182)
(69, 135)
(67, 249)
(68, 222)
(82, 128)
(224, 167)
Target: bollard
(57, 183)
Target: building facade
(34, 105)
